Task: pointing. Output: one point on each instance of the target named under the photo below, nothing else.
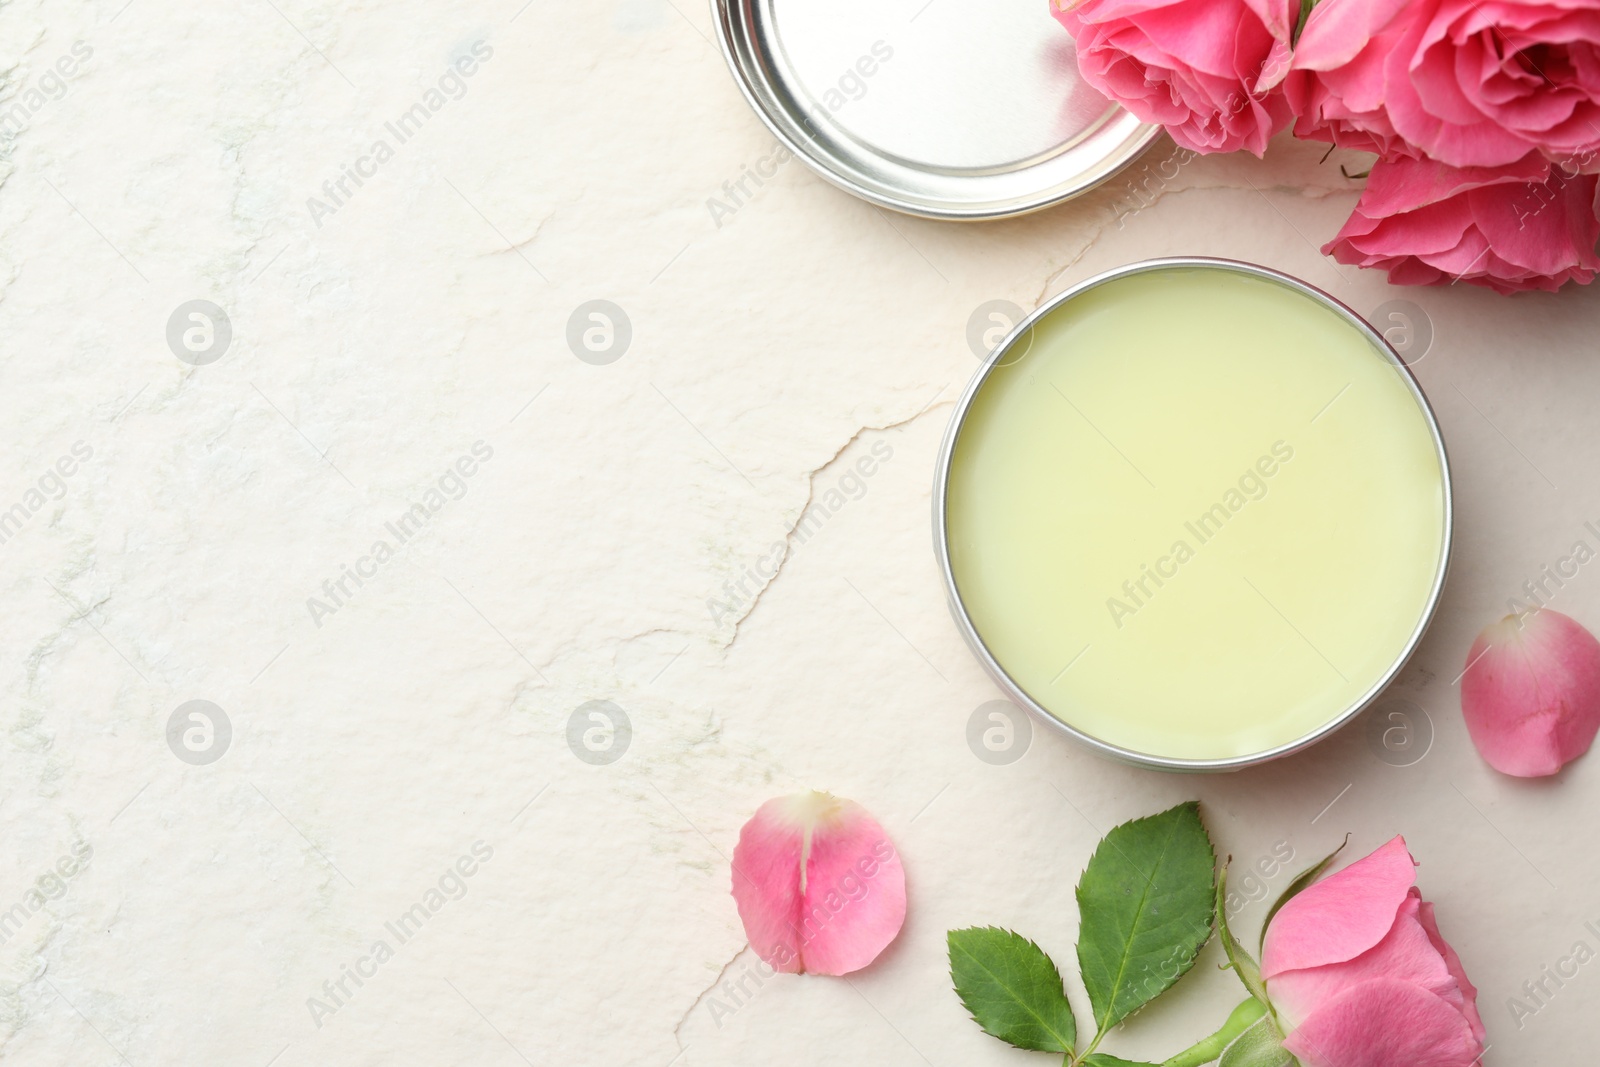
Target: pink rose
(1509, 228)
(1471, 83)
(1359, 976)
(1336, 83)
(1207, 70)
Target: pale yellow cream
(1199, 518)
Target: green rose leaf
(1301, 881)
(1243, 964)
(1011, 988)
(1145, 905)
(1101, 1059)
(1259, 1046)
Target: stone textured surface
(372, 747)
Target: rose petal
(1336, 32)
(1407, 952)
(1341, 916)
(1521, 226)
(1468, 83)
(1452, 962)
(1531, 692)
(1408, 184)
(1386, 1023)
(1345, 999)
(1207, 70)
(819, 886)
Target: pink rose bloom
(1508, 228)
(1207, 70)
(1471, 83)
(1359, 976)
(1335, 85)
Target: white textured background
(767, 355)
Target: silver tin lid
(949, 109)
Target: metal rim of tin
(941, 543)
(1072, 169)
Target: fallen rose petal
(818, 884)
(1531, 692)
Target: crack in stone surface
(518, 247)
(811, 494)
(703, 994)
(1305, 192)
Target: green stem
(1243, 1017)
(1092, 1046)
(1075, 1058)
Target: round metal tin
(949, 109)
(1021, 337)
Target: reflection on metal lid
(958, 109)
